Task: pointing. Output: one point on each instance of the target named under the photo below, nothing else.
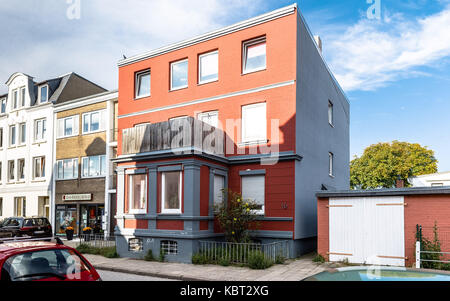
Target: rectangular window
(94, 166)
(40, 129)
(179, 75)
(137, 194)
(11, 171)
(22, 96)
(1, 137)
(15, 99)
(43, 94)
(94, 122)
(20, 208)
(331, 163)
(143, 84)
(171, 192)
(211, 118)
(330, 113)
(254, 123)
(219, 186)
(253, 188)
(169, 247)
(1, 170)
(67, 169)
(254, 55)
(1, 206)
(3, 106)
(12, 135)
(39, 167)
(208, 67)
(21, 169)
(135, 245)
(68, 127)
(22, 133)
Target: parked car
(380, 273)
(26, 227)
(34, 260)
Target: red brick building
(251, 107)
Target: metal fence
(433, 247)
(238, 253)
(97, 240)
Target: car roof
(13, 247)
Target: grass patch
(319, 259)
(109, 252)
(149, 256)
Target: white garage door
(367, 230)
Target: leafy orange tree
(236, 216)
(383, 163)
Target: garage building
(379, 226)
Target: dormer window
(43, 94)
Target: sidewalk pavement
(292, 270)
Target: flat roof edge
(384, 192)
(213, 34)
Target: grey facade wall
(315, 138)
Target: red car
(34, 260)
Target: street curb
(150, 274)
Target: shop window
(66, 216)
(169, 247)
(135, 245)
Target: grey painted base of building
(187, 247)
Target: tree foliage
(383, 163)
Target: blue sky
(395, 70)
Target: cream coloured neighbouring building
(439, 179)
(26, 140)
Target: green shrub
(319, 258)
(162, 255)
(200, 258)
(280, 259)
(224, 262)
(149, 256)
(257, 261)
(109, 252)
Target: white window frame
(331, 164)
(1, 170)
(137, 81)
(2, 135)
(101, 175)
(200, 57)
(216, 193)
(42, 168)
(15, 100)
(171, 75)
(23, 94)
(330, 113)
(102, 122)
(11, 142)
(22, 134)
(23, 200)
(169, 247)
(75, 171)
(40, 93)
(263, 209)
(3, 101)
(253, 140)
(75, 127)
(245, 46)
(200, 116)
(163, 194)
(131, 196)
(19, 179)
(43, 134)
(11, 172)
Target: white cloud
(370, 54)
(43, 42)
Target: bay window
(171, 189)
(137, 193)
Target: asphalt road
(114, 276)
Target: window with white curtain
(137, 193)
(254, 123)
(171, 188)
(208, 67)
(253, 188)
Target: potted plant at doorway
(87, 231)
(69, 233)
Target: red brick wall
(323, 226)
(169, 225)
(136, 224)
(425, 210)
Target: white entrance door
(367, 230)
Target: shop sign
(77, 197)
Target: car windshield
(58, 263)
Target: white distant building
(431, 180)
(26, 140)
